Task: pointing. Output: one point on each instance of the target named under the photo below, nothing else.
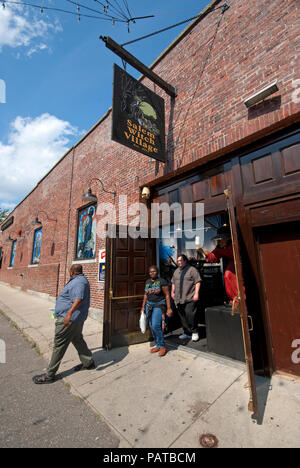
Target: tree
(3, 214)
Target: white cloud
(34, 146)
(21, 27)
(37, 48)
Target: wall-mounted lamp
(90, 197)
(37, 222)
(10, 239)
(262, 94)
(146, 193)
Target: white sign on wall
(101, 272)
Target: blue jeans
(155, 322)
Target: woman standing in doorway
(156, 302)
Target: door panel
(279, 248)
(128, 261)
(241, 300)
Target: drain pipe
(69, 214)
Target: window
(13, 253)
(1, 256)
(36, 251)
(86, 233)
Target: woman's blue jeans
(155, 322)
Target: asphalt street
(42, 415)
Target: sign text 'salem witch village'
(138, 120)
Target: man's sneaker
(195, 336)
(184, 336)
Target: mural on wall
(37, 242)
(86, 233)
(13, 253)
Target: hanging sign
(138, 119)
(7, 223)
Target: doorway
(279, 253)
(220, 333)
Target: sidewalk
(165, 402)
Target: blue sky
(58, 77)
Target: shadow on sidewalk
(103, 357)
(263, 386)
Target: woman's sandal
(43, 379)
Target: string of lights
(80, 5)
(78, 12)
(109, 4)
(111, 11)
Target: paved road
(42, 415)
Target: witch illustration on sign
(135, 103)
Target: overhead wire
(127, 8)
(84, 6)
(109, 4)
(119, 6)
(61, 10)
(159, 31)
(223, 7)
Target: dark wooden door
(279, 248)
(128, 262)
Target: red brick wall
(42, 278)
(218, 64)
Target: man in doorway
(186, 283)
(224, 250)
(71, 311)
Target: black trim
(7, 223)
(79, 210)
(35, 263)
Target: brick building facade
(221, 59)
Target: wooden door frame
(107, 303)
(251, 246)
(248, 228)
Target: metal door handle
(112, 297)
(251, 320)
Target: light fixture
(89, 196)
(17, 234)
(262, 94)
(37, 222)
(146, 193)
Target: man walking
(186, 283)
(71, 311)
